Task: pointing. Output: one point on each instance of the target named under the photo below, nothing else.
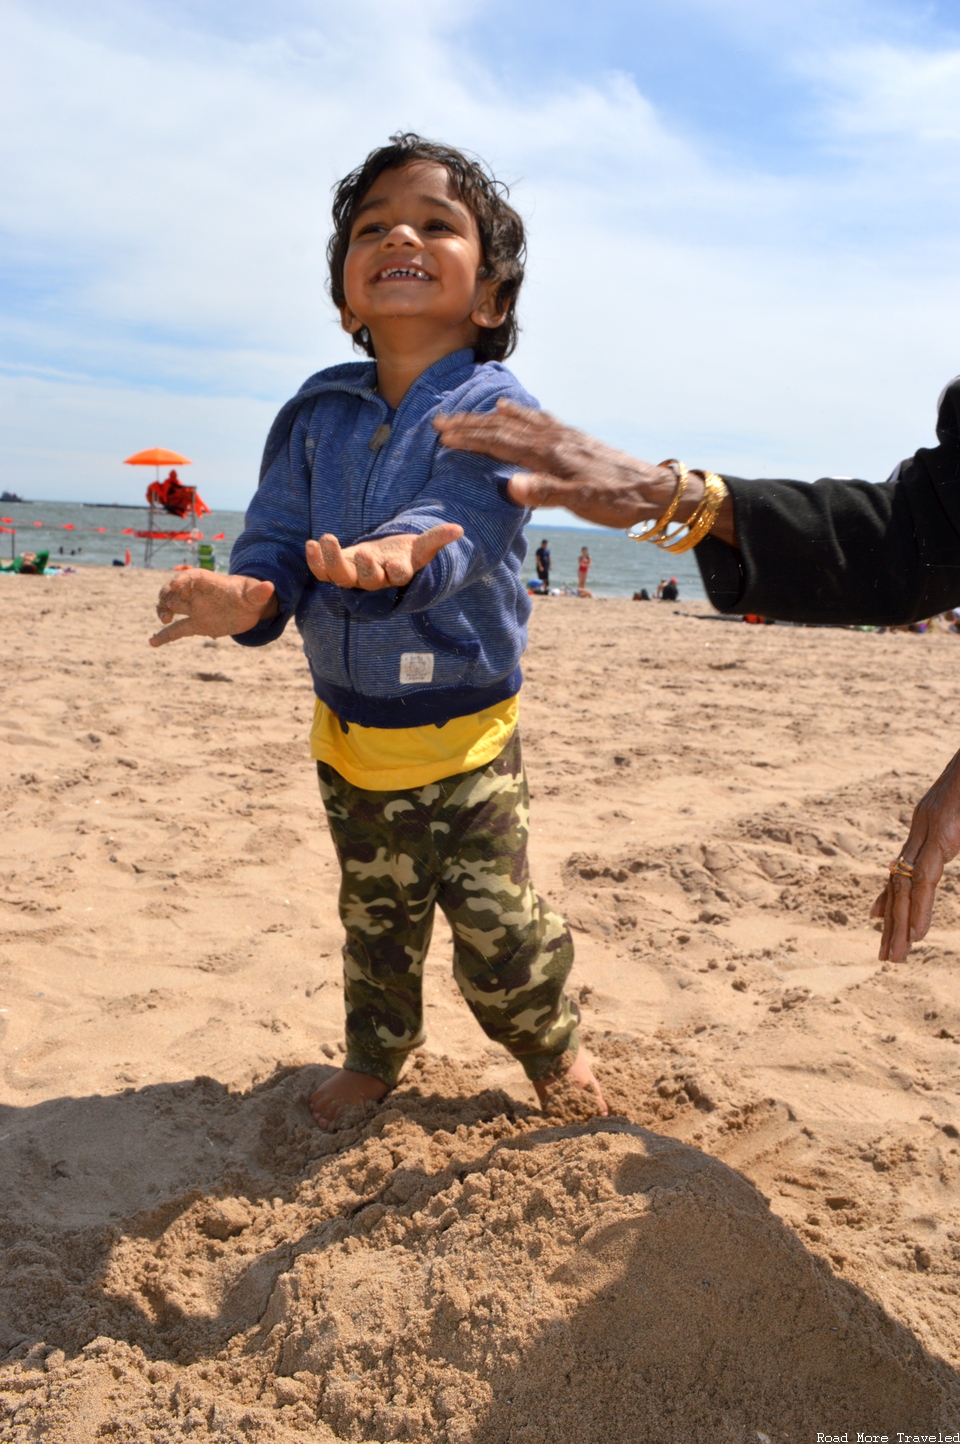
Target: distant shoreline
(534, 524)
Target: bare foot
(581, 1075)
(345, 1089)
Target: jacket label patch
(416, 666)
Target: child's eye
(371, 228)
(438, 225)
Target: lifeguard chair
(169, 497)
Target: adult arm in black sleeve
(833, 551)
(847, 551)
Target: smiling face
(412, 270)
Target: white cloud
(902, 93)
(166, 188)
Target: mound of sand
(455, 1269)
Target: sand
(763, 1242)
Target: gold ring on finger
(901, 868)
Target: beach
(762, 1241)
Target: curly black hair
(502, 238)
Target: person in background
(670, 592)
(543, 564)
(834, 551)
(583, 567)
(27, 564)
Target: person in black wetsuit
(832, 551)
(543, 563)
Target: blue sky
(744, 219)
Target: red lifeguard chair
(168, 498)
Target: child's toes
(323, 1110)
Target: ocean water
(87, 535)
(618, 567)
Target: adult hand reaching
(571, 469)
(906, 903)
(210, 604)
(388, 561)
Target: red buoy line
(7, 524)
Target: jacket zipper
(347, 629)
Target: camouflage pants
(462, 843)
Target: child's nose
(402, 234)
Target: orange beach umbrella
(157, 456)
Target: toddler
(413, 618)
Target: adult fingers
(186, 627)
(507, 419)
(934, 839)
(895, 941)
(510, 433)
(539, 488)
(880, 906)
(927, 872)
(909, 900)
(922, 895)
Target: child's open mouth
(403, 273)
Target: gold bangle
(703, 519)
(658, 531)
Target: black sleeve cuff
(721, 570)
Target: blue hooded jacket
(339, 459)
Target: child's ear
(350, 323)
(489, 312)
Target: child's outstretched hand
(211, 604)
(387, 561)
